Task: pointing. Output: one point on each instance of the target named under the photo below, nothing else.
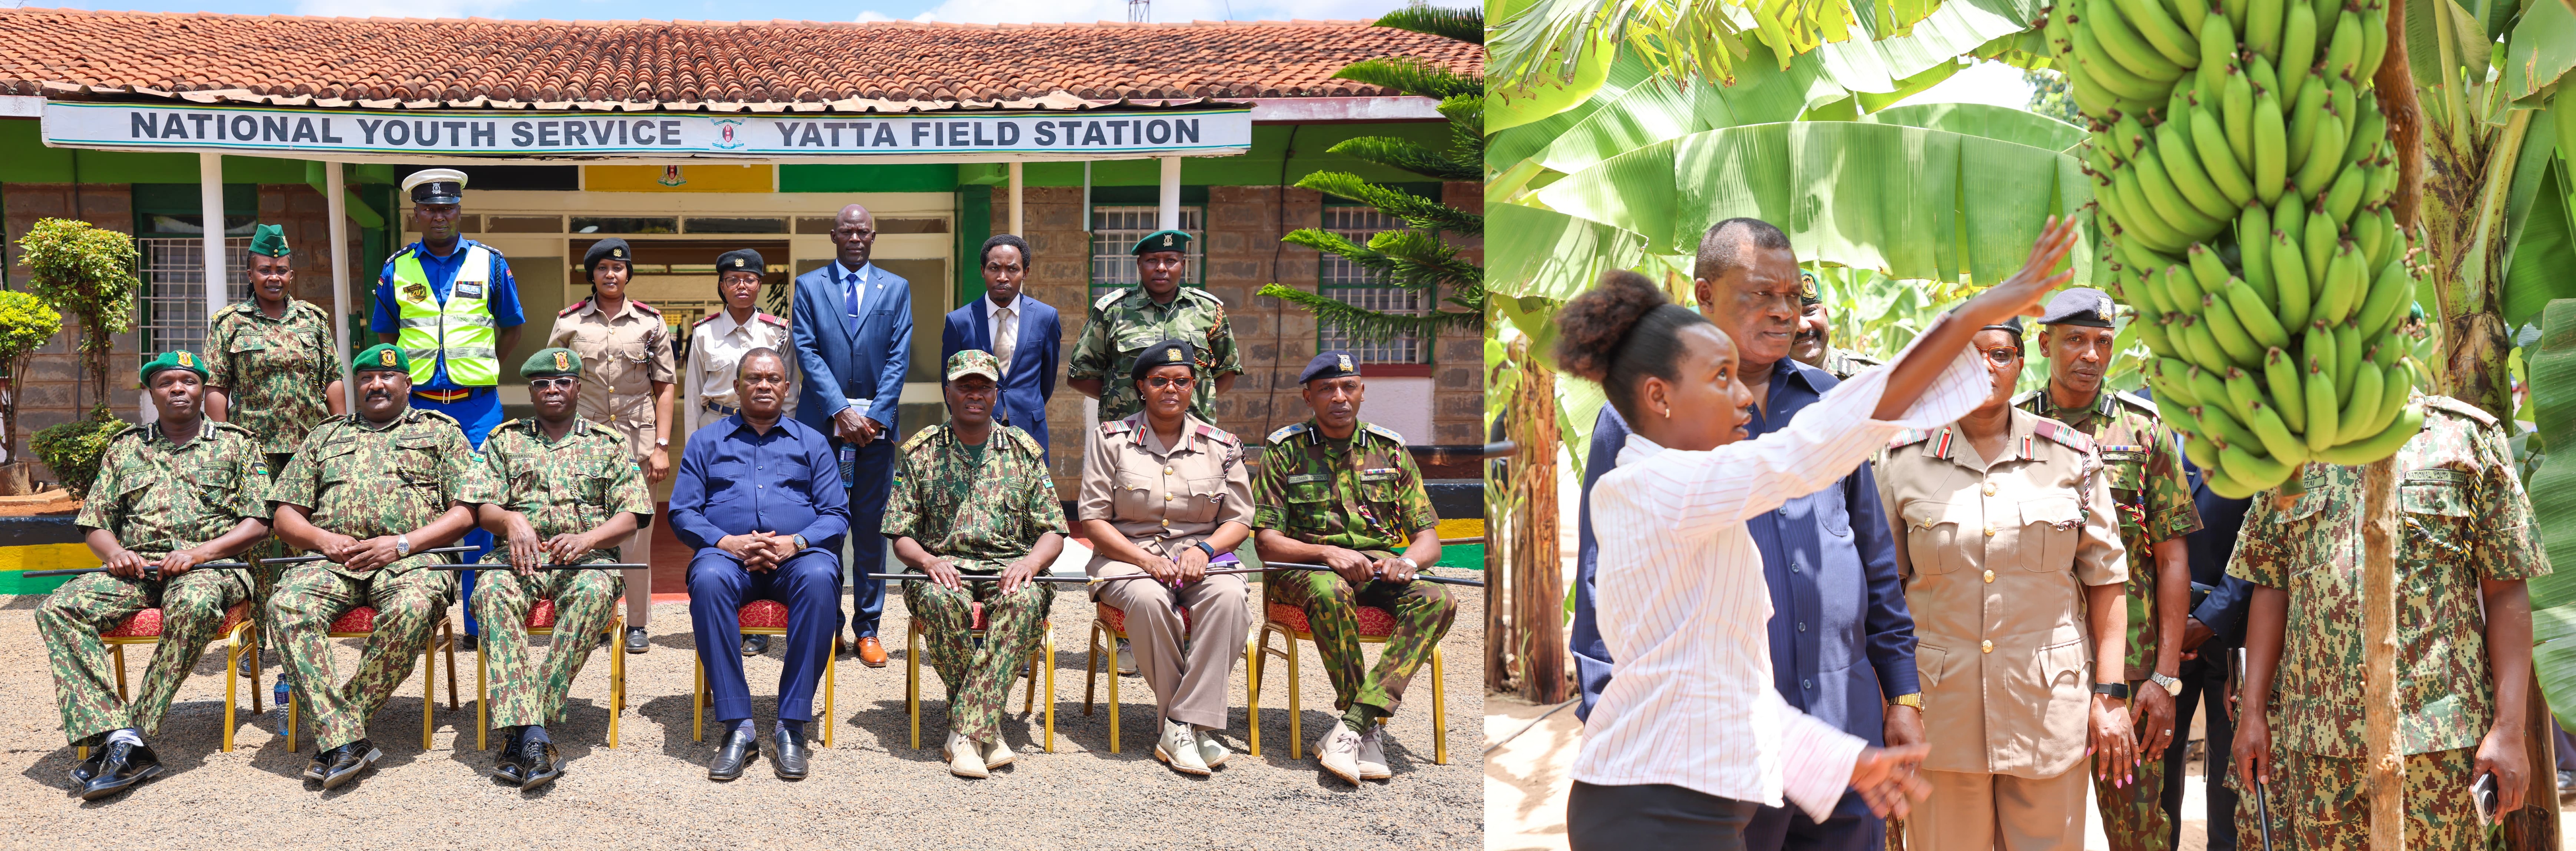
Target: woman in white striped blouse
(1690, 736)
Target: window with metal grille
(1114, 231)
(1342, 280)
(174, 290)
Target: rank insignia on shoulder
(2063, 434)
(1285, 432)
(260, 467)
(1909, 437)
(1384, 432)
(574, 308)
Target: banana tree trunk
(1534, 633)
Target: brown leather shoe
(872, 653)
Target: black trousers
(2204, 685)
(1653, 816)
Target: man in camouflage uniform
(270, 369)
(567, 491)
(1340, 492)
(1814, 343)
(973, 497)
(368, 491)
(2462, 673)
(176, 493)
(2155, 511)
(1121, 324)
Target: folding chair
(1376, 624)
(1108, 627)
(764, 617)
(240, 636)
(360, 622)
(912, 673)
(541, 621)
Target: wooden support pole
(2387, 768)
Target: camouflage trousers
(2133, 816)
(309, 597)
(978, 678)
(1422, 611)
(192, 608)
(2322, 803)
(585, 601)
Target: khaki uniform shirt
(1995, 557)
(1164, 498)
(2465, 519)
(2147, 486)
(622, 357)
(366, 480)
(716, 346)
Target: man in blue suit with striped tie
(1028, 339)
(852, 326)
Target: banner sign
(310, 133)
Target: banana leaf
(2552, 367)
(1535, 253)
(1993, 122)
(1905, 201)
(2541, 49)
(2542, 255)
(1956, 28)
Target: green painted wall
(25, 159)
(927, 177)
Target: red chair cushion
(764, 614)
(1374, 622)
(1117, 619)
(147, 623)
(361, 620)
(542, 615)
(975, 614)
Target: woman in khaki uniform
(627, 374)
(2013, 570)
(1166, 494)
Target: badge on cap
(1344, 361)
(618, 253)
(1175, 352)
(562, 362)
(187, 360)
(385, 358)
(1167, 240)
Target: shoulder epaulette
(704, 320)
(1114, 428)
(509, 424)
(1219, 435)
(1285, 432)
(1021, 438)
(2062, 434)
(575, 307)
(236, 307)
(640, 305)
(135, 429)
(2460, 408)
(2137, 401)
(441, 417)
(2027, 398)
(771, 318)
(1383, 431)
(227, 427)
(1109, 298)
(1909, 437)
(1204, 294)
(921, 438)
(398, 253)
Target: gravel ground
(872, 790)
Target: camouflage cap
(381, 356)
(974, 362)
(1162, 240)
(268, 241)
(1165, 353)
(176, 359)
(547, 363)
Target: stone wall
(53, 389)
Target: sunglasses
(1164, 383)
(566, 382)
(2003, 356)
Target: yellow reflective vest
(460, 331)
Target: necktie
(850, 298)
(1006, 336)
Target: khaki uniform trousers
(1190, 685)
(1977, 812)
(638, 547)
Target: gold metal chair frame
(242, 638)
(442, 637)
(912, 678)
(1104, 640)
(616, 681)
(1296, 725)
(702, 698)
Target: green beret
(974, 362)
(268, 241)
(176, 359)
(547, 363)
(381, 356)
(1162, 240)
(1166, 353)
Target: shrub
(89, 271)
(25, 324)
(73, 448)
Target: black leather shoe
(467, 643)
(636, 642)
(321, 763)
(787, 754)
(739, 749)
(507, 769)
(125, 765)
(754, 645)
(349, 759)
(541, 763)
(88, 768)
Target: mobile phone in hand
(2485, 792)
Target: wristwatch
(402, 545)
(661, 443)
(2116, 690)
(1203, 547)
(2171, 685)
(1914, 700)
(799, 541)
(1409, 563)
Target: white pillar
(210, 193)
(1169, 216)
(1015, 198)
(335, 193)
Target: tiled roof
(762, 66)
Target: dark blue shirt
(503, 300)
(1841, 636)
(2208, 550)
(735, 481)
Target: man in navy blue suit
(852, 326)
(1028, 338)
(1842, 640)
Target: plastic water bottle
(280, 696)
(849, 464)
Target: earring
(1668, 412)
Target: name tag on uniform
(2436, 477)
(1302, 478)
(2122, 454)
(469, 290)
(1379, 474)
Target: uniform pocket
(1200, 500)
(1309, 500)
(2437, 509)
(1932, 536)
(2050, 522)
(1138, 497)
